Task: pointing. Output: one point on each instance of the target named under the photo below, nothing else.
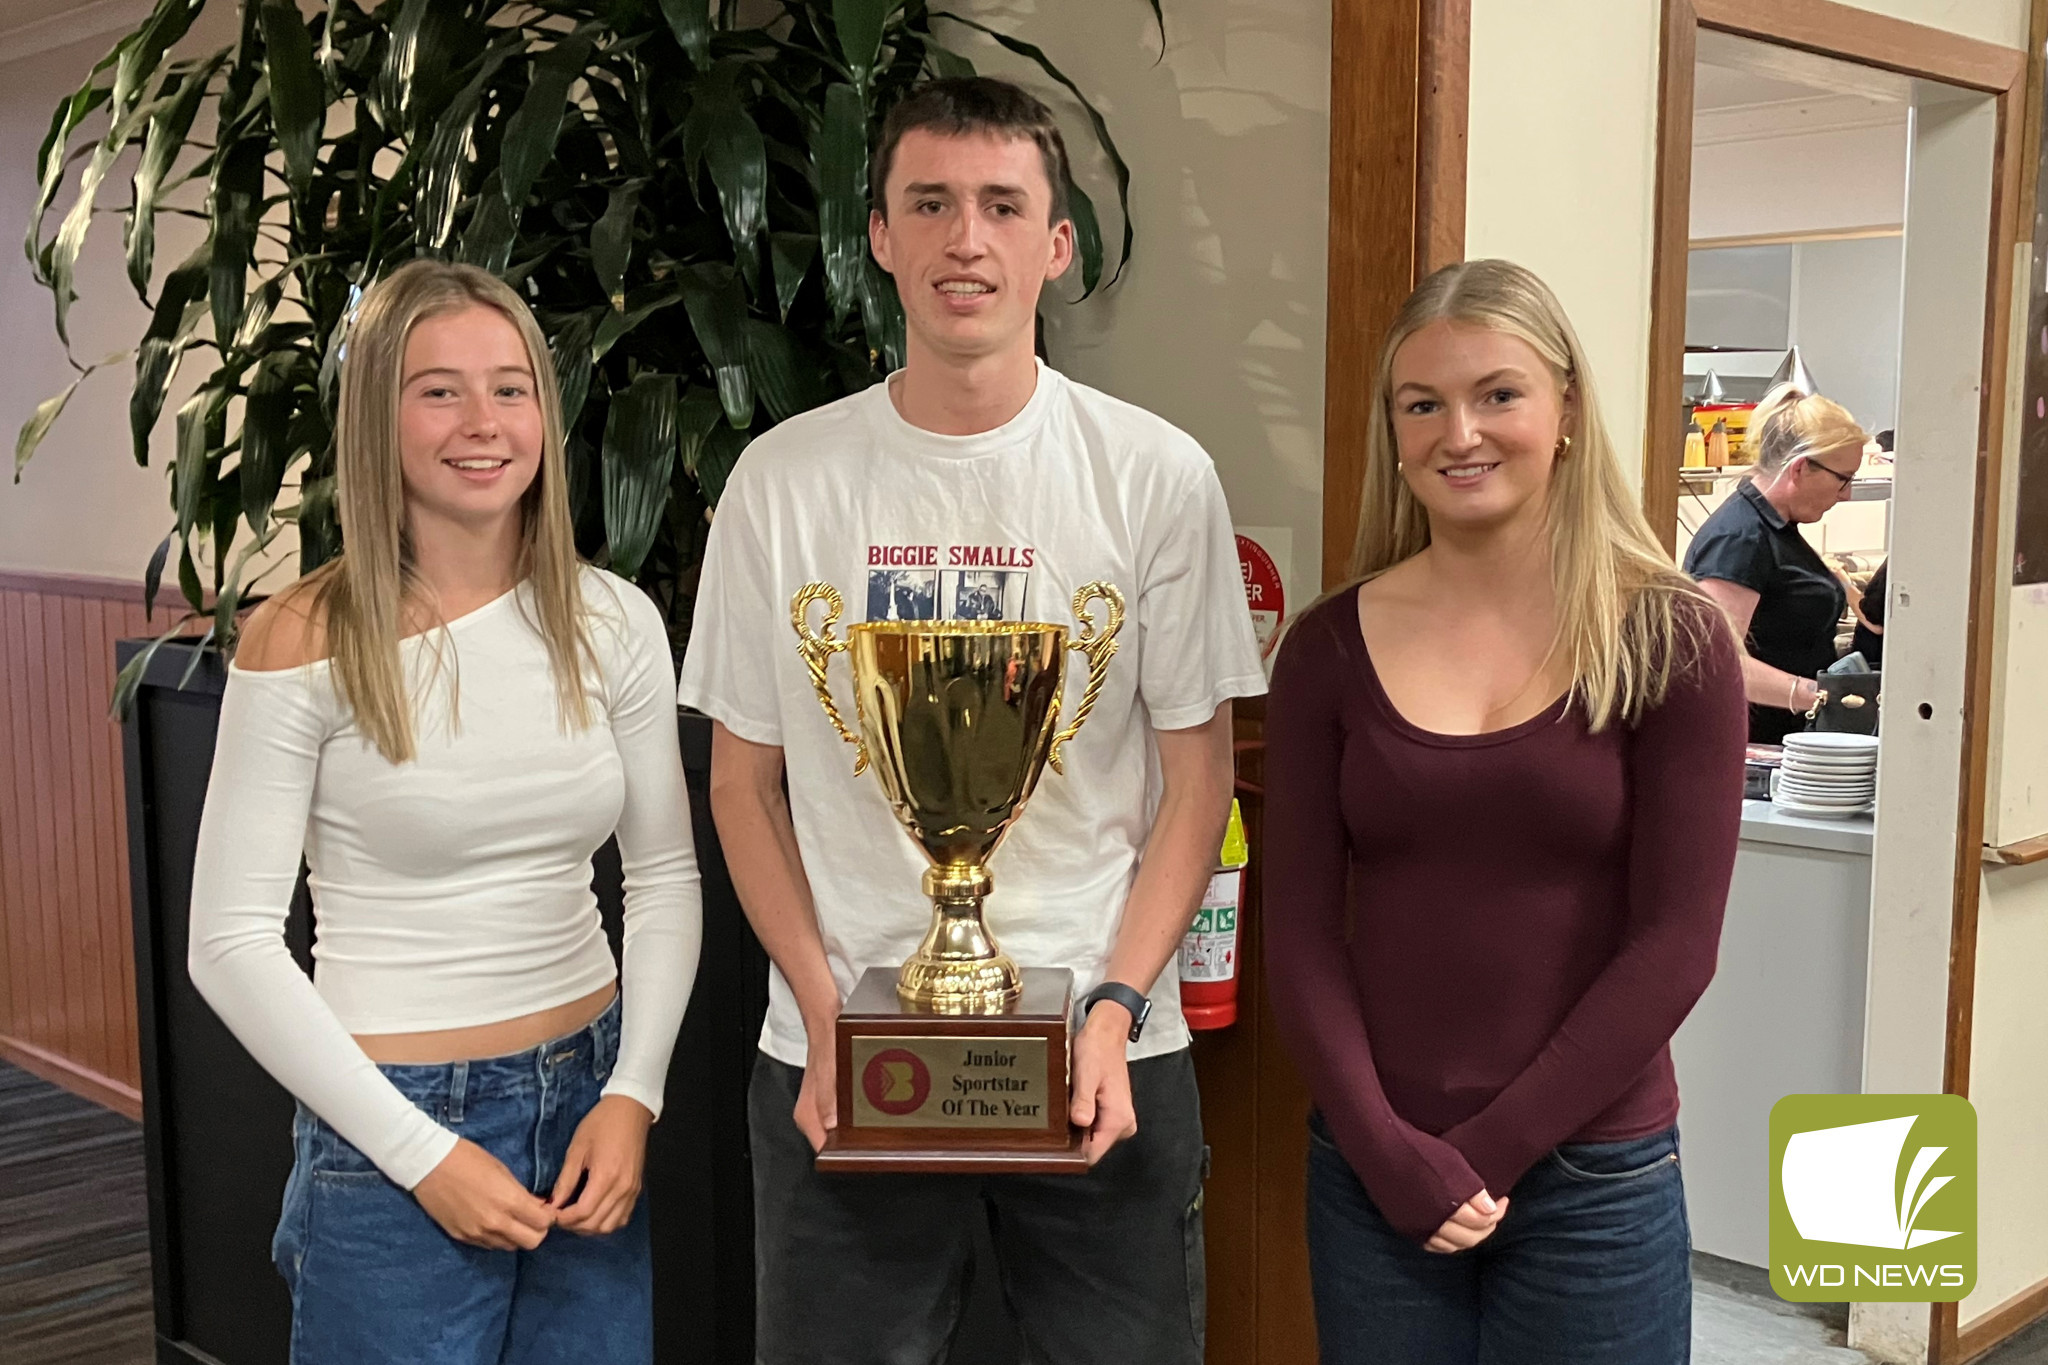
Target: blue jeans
(374, 1279)
(1591, 1266)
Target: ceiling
(1721, 87)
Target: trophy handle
(817, 648)
(1100, 649)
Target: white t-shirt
(1006, 525)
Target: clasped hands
(1472, 1224)
(476, 1199)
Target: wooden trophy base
(954, 1094)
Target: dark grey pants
(872, 1269)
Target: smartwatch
(1129, 997)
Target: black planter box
(217, 1128)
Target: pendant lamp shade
(1792, 370)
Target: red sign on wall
(1263, 591)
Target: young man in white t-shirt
(978, 484)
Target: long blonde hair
(362, 595)
(1617, 591)
(1791, 422)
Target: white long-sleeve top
(452, 890)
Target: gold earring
(1564, 447)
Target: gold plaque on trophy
(963, 1065)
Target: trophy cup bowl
(958, 719)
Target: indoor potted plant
(680, 191)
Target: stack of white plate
(1827, 775)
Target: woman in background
(447, 722)
(1749, 556)
(1504, 782)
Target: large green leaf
(298, 94)
(738, 157)
(267, 432)
(256, 317)
(881, 314)
(53, 156)
(793, 253)
(697, 416)
(690, 22)
(192, 471)
(447, 157)
(236, 203)
(488, 240)
(788, 380)
(319, 527)
(47, 412)
(1101, 126)
(839, 153)
(153, 575)
(531, 132)
(1087, 236)
(179, 309)
(168, 129)
(423, 60)
(188, 577)
(138, 61)
(859, 24)
(38, 425)
(572, 354)
(718, 315)
(641, 304)
(71, 234)
(611, 242)
(639, 449)
(722, 450)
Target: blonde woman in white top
(447, 722)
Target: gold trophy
(960, 1063)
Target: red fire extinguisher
(1208, 955)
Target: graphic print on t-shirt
(949, 583)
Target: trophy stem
(958, 969)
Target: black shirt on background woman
(1799, 599)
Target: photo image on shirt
(984, 594)
(903, 595)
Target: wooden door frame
(1399, 79)
(1837, 30)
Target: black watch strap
(1130, 997)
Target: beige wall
(82, 505)
(1561, 167)
(1560, 164)
(1217, 325)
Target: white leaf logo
(1839, 1185)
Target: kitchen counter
(1783, 1016)
(1764, 823)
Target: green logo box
(1873, 1198)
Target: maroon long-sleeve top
(1480, 945)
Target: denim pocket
(1630, 1159)
(332, 1158)
(288, 1242)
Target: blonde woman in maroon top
(1504, 787)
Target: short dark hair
(960, 105)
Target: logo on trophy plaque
(957, 1061)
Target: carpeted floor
(74, 1230)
